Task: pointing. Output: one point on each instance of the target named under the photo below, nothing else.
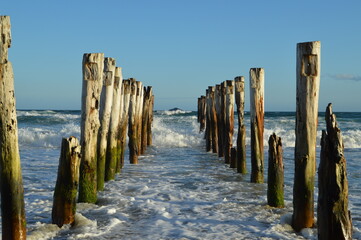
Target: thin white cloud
(350, 77)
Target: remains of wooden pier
(334, 218)
(110, 106)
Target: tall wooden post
(208, 132)
(106, 101)
(202, 113)
(223, 118)
(220, 120)
(275, 172)
(213, 119)
(229, 120)
(256, 76)
(132, 129)
(11, 183)
(93, 65)
(124, 122)
(150, 122)
(333, 217)
(113, 135)
(145, 118)
(241, 137)
(308, 82)
(139, 114)
(66, 188)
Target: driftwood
(241, 137)
(275, 192)
(257, 123)
(66, 188)
(308, 81)
(113, 135)
(12, 192)
(93, 65)
(106, 101)
(334, 218)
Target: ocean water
(178, 190)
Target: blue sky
(182, 47)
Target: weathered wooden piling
(213, 119)
(209, 130)
(139, 114)
(275, 192)
(202, 113)
(241, 137)
(256, 76)
(124, 123)
(233, 159)
(12, 192)
(106, 101)
(132, 128)
(113, 135)
(333, 217)
(229, 120)
(93, 65)
(150, 122)
(146, 117)
(308, 81)
(66, 188)
(220, 118)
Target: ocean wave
(164, 135)
(46, 137)
(173, 112)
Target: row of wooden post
(110, 107)
(334, 217)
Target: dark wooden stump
(66, 188)
(275, 172)
(333, 217)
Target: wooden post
(202, 113)
(145, 118)
(256, 76)
(113, 135)
(106, 101)
(93, 65)
(229, 120)
(66, 188)
(220, 120)
(208, 133)
(213, 119)
(223, 117)
(139, 114)
(124, 122)
(308, 82)
(11, 183)
(233, 162)
(275, 172)
(241, 137)
(132, 129)
(333, 217)
(150, 122)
